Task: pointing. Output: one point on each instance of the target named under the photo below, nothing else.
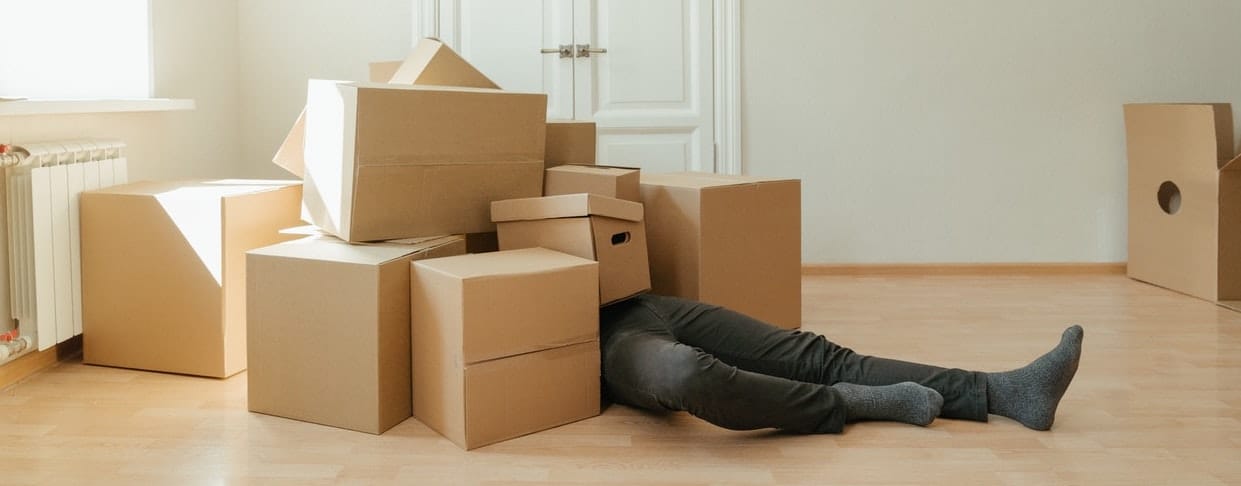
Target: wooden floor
(1157, 400)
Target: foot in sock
(1031, 394)
(906, 402)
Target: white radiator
(45, 266)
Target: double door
(640, 69)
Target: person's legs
(756, 346)
(1030, 395)
(644, 366)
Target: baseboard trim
(964, 269)
(31, 363)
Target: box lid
(511, 262)
(564, 206)
(329, 248)
(700, 180)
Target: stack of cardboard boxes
(375, 316)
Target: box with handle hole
(607, 230)
(1185, 199)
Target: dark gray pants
(664, 353)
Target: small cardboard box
(733, 241)
(163, 270)
(604, 229)
(614, 182)
(569, 142)
(385, 161)
(504, 343)
(328, 329)
(1185, 199)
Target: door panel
(653, 83)
(655, 150)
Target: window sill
(77, 107)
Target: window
(75, 49)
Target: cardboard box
(1185, 199)
(733, 241)
(328, 329)
(614, 182)
(570, 142)
(430, 63)
(504, 343)
(163, 270)
(607, 230)
(386, 161)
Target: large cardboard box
(604, 229)
(504, 344)
(430, 63)
(615, 182)
(385, 161)
(328, 326)
(570, 142)
(1185, 199)
(163, 270)
(733, 241)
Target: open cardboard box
(415, 157)
(1185, 200)
(164, 270)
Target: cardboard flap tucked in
(566, 206)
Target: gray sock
(906, 402)
(1031, 394)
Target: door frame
(727, 77)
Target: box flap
(511, 262)
(565, 206)
(1234, 164)
(700, 180)
(432, 63)
(291, 154)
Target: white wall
(285, 42)
(969, 130)
(194, 56)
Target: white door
(650, 94)
(504, 40)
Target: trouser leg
(755, 346)
(649, 369)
